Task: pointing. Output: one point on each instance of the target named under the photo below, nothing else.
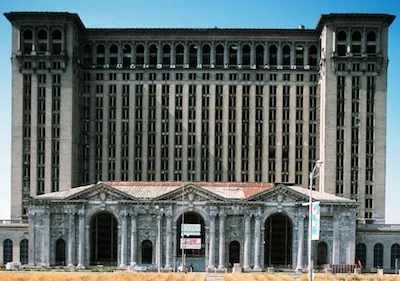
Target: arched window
(193, 55)
(299, 55)
(233, 54)
(273, 55)
(60, 252)
(27, 39)
(322, 253)
(361, 254)
(371, 42)
(179, 53)
(246, 55)
(356, 43)
(219, 55)
(260, 55)
(140, 54)
(341, 43)
(147, 251)
(286, 55)
(378, 255)
(7, 251)
(100, 52)
(127, 55)
(313, 58)
(153, 55)
(166, 55)
(206, 54)
(87, 54)
(394, 254)
(56, 37)
(23, 251)
(113, 54)
(42, 41)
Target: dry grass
(78, 276)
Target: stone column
(158, 132)
(212, 54)
(226, 53)
(246, 250)
(378, 41)
(334, 40)
(124, 238)
(158, 241)
(257, 232)
(81, 245)
(292, 54)
(252, 133)
(239, 53)
(221, 263)
(31, 233)
(185, 134)
(225, 132)
(71, 239)
(198, 129)
(118, 129)
(168, 244)
(133, 238)
(336, 241)
(351, 247)
(239, 126)
(306, 51)
(171, 132)
(211, 136)
(211, 250)
(300, 248)
(348, 41)
(364, 41)
(145, 131)
(265, 134)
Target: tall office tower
(214, 105)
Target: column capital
(123, 213)
(81, 213)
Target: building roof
(227, 190)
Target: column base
(257, 269)
(122, 266)
(299, 269)
(71, 266)
(80, 266)
(167, 268)
(247, 269)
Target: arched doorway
(147, 251)
(278, 241)
(234, 252)
(103, 239)
(7, 251)
(322, 253)
(194, 256)
(60, 252)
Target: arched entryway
(234, 252)
(60, 252)
(278, 241)
(195, 253)
(322, 253)
(147, 251)
(103, 239)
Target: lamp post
(318, 164)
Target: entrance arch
(103, 239)
(60, 252)
(278, 241)
(234, 252)
(147, 251)
(322, 253)
(194, 257)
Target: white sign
(191, 229)
(190, 243)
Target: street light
(318, 164)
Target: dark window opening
(259, 55)
(140, 54)
(206, 55)
(273, 55)
(356, 43)
(179, 54)
(100, 55)
(341, 43)
(313, 60)
(60, 252)
(286, 55)
(219, 56)
(246, 55)
(127, 55)
(233, 54)
(147, 251)
(166, 55)
(153, 55)
(234, 252)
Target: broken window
(286, 55)
(153, 55)
(179, 54)
(127, 55)
(42, 41)
(273, 55)
(166, 55)
(371, 42)
(206, 54)
(233, 54)
(313, 60)
(299, 55)
(140, 54)
(100, 55)
(341, 43)
(356, 43)
(87, 54)
(219, 56)
(193, 55)
(246, 55)
(56, 40)
(27, 41)
(259, 55)
(113, 54)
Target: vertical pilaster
(71, 239)
(48, 135)
(252, 133)
(124, 238)
(257, 243)
(211, 245)
(211, 136)
(171, 132)
(292, 134)
(133, 238)
(145, 131)
(34, 121)
(246, 250)
(31, 233)
(132, 141)
(105, 133)
(158, 241)
(265, 135)
(158, 132)
(300, 239)
(239, 125)
(168, 244)
(118, 129)
(185, 127)
(336, 241)
(347, 138)
(221, 263)
(225, 125)
(278, 146)
(81, 245)
(198, 129)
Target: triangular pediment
(192, 193)
(101, 192)
(279, 194)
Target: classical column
(81, 245)
(351, 247)
(168, 244)
(211, 250)
(300, 239)
(71, 239)
(222, 217)
(247, 233)
(257, 232)
(133, 238)
(336, 241)
(348, 41)
(124, 238)
(31, 233)
(158, 241)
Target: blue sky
(206, 13)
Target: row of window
(41, 41)
(378, 258)
(353, 42)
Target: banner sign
(191, 229)
(315, 221)
(190, 243)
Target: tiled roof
(320, 196)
